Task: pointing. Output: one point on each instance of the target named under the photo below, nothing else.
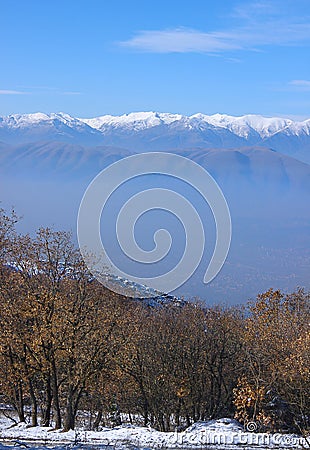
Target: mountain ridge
(153, 131)
(264, 126)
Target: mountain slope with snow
(158, 131)
(152, 131)
(21, 128)
(241, 126)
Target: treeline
(67, 344)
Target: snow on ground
(215, 433)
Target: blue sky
(95, 57)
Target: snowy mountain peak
(135, 121)
(23, 120)
(242, 126)
(34, 119)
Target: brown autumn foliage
(68, 344)
(274, 387)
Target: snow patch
(215, 433)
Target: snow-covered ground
(215, 433)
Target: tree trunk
(56, 397)
(34, 405)
(98, 419)
(20, 402)
(46, 419)
(69, 419)
(188, 421)
(145, 406)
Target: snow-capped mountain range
(148, 131)
(242, 126)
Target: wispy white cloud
(181, 40)
(70, 93)
(249, 11)
(256, 25)
(303, 85)
(11, 92)
(35, 90)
